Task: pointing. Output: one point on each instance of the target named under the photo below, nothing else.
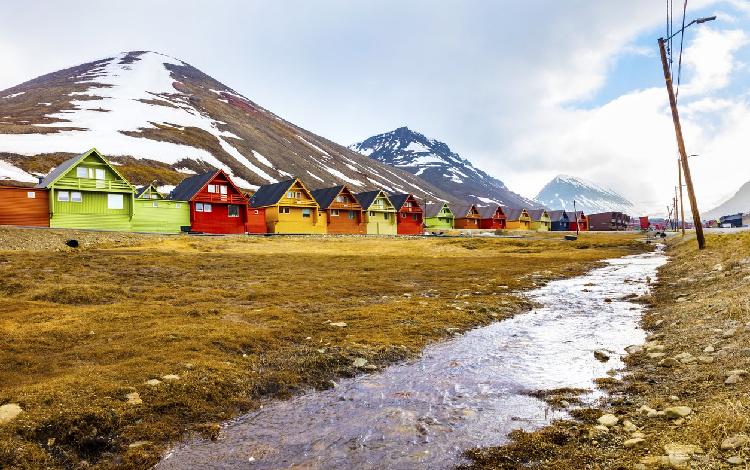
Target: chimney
(40, 179)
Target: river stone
(676, 412)
(733, 442)
(9, 412)
(709, 349)
(648, 411)
(705, 359)
(733, 379)
(735, 460)
(636, 441)
(339, 324)
(153, 382)
(608, 420)
(359, 362)
(628, 426)
(634, 349)
(133, 398)
(171, 377)
(601, 355)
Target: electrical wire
(682, 40)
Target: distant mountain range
(160, 119)
(740, 202)
(434, 162)
(590, 198)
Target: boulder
(601, 355)
(153, 382)
(733, 379)
(734, 442)
(608, 420)
(735, 460)
(634, 349)
(359, 362)
(171, 377)
(676, 412)
(634, 442)
(9, 412)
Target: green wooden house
(152, 212)
(87, 192)
(438, 217)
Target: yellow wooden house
(517, 219)
(289, 208)
(380, 213)
(540, 220)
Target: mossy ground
(702, 299)
(238, 319)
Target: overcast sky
(525, 89)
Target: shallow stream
(465, 392)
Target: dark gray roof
(536, 214)
(365, 199)
(461, 211)
(487, 212)
(61, 169)
(326, 196)
(512, 214)
(270, 194)
(557, 216)
(190, 186)
(432, 210)
(398, 200)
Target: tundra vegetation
(684, 400)
(111, 351)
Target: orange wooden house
(343, 212)
(466, 216)
(28, 207)
(492, 218)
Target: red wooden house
(24, 206)
(583, 221)
(216, 204)
(410, 214)
(343, 212)
(492, 218)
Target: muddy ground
(684, 400)
(112, 351)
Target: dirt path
(684, 402)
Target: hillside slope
(162, 119)
(434, 162)
(740, 202)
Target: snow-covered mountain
(434, 162)
(161, 119)
(590, 198)
(740, 202)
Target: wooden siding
(381, 222)
(256, 220)
(167, 217)
(91, 213)
(278, 220)
(410, 221)
(218, 220)
(17, 208)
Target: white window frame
(207, 207)
(222, 189)
(334, 212)
(114, 200)
(31, 194)
(229, 212)
(198, 207)
(352, 215)
(82, 172)
(100, 174)
(306, 215)
(154, 204)
(63, 196)
(283, 210)
(76, 196)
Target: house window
(294, 194)
(198, 207)
(63, 196)
(114, 201)
(233, 210)
(306, 213)
(177, 205)
(206, 207)
(403, 215)
(409, 204)
(99, 174)
(212, 188)
(372, 213)
(76, 196)
(256, 212)
(283, 210)
(154, 204)
(385, 215)
(341, 198)
(31, 195)
(415, 217)
(351, 215)
(334, 212)
(82, 172)
(154, 196)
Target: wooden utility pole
(575, 213)
(676, 214)
(682, 201)
(681, 148)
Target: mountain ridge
(560, 192)
(161, 119)
(436, 163)
(739, 202)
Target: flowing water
(466, 392)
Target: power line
(682, 41)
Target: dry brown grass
(713, 288)
(237, 318)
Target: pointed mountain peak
(590, 197)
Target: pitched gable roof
(63, 168)
(513, 214)
(432, 210)
(368, 197)
(190, 186)
(270, 194)
(488, 212)
(536, 214)
(464, 210)
(326, 196)
(556, 216)
(140, 191)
